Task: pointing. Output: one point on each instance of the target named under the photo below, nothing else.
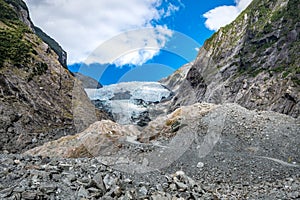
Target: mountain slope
(254, 61)
(37, 94)
(62, 55)
(87, 82)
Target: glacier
(131, 102)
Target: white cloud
(171, 9)
(131, 47)
(223, 15)
(137, 57)
(81, 25)
(149, 43)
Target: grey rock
(109, 181)
(181, 186)
(88, 82)
(19, 189)
(143, 190)
(159, 187)
(92, 189)
(127, 180)
(28, 195)
(6, 192)
(82, 193)
(99, 181)
(200, 164)
(127, 196)
(159, 196)
(71, 177)
(117, 191)
(173, 187)
(48, 188)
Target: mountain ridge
(254, 61)
(87, 82)
(40, 99)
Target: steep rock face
(62, 55)
(38, 96)
(174, 81)
(20, 10)
(22, 13)
(254, 61)
(87, 82)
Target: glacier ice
(129, 102)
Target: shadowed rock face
(254, 61)
(62, 54)
(88, 82)
(37, 96)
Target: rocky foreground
(27, 177)
(202, 151)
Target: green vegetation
(278, 69)
(285, 71)
(17, 3)
(39, 69)
(277, 16)
(296, 80)
(250, 71)
(7, 13)
(292, 11)
(255, 72)
(209, 42)
(14, 47)
(270, 29)
(295, 71)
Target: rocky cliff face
(22, 13)
(254, 61)
(87, 82)
(38, 96)
(62, 55)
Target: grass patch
(7, 13)
(13, 47)
(255, 72)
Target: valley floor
(27, 177)
(202, 151)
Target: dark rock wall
(38, 96)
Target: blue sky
(115, 40)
